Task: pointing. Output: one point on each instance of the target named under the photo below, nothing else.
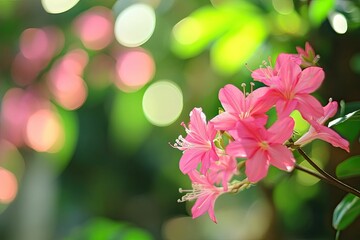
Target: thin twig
(325, 176)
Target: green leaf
(346, 212)
(319, 10)
(349, 168)
(353, 116)
(348, 126)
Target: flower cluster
(211, 149)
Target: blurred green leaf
(346, 212)
(319, 10)
(128, 123)
(236, 28)
(349, 168)
(102, 228)
(233, 50)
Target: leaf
(346, 212)
(349, 168)
(353, 116)
(319, 10)
(347, 126)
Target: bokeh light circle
(34, 43)
(8, 186)
(95, 28)
(134, 69)
(162, 103)
(44, 131)
(135, 25)
(338, 22)
(58, 6)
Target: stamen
(252, 86)
(247, 67)
(330, 100)
(243, 85)
(269, 59)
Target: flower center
(263, 145)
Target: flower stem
(324, 175)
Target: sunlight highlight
(338, 23)
(58, 6)
(8, 186)
(187, 31)
(43, 131)
(135, 25)
(162, 103)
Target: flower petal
(330, 136)
(281, 157)
(242, 148)
(309, 107)
(285, 107)
(257, 166)
(224, 121)
(198, 124)
(281, 130)
(190, 160)
(310, 79)
(232, 99)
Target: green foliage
(237, 30)
(102, 228)
(349, 168)
(346, 212)
(319, 10)
(348, 126)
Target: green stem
(325, 176)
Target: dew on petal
(8, 186)
(134, 69)
(95, 28)
(135, 25)
(162, 103)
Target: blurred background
(93, 91)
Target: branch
(325, 176)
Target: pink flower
(263, 147)
(197, 146)
(318, 131)
(290, 87)
(223, 170)
(205, 193)
(307, 55)
(239, 107)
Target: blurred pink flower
(205, 193)
(263, 147)
(290, 87)
(223, 170)
(318, 131)
(198, 145)
(240, 107)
